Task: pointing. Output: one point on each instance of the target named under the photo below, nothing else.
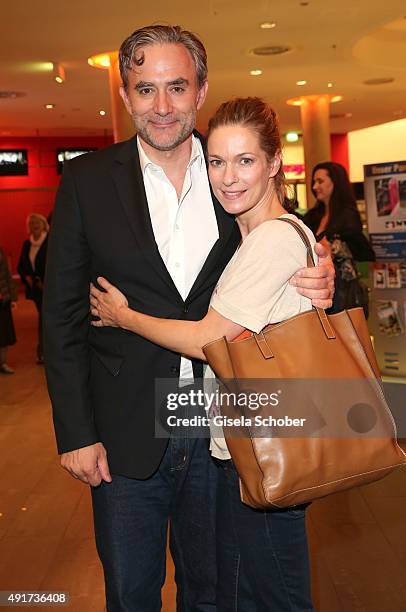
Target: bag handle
(328, 330)
(304, 238)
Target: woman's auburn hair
(255, 114)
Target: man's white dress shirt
(185, 229)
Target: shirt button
(177, 227)
(177, 265)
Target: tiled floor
(357, 539)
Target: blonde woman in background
(31, 267)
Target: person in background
(336, 223)
(31, 267)
(8, 297)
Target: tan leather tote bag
(326, 365)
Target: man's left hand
(317, 283)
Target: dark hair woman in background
(336, 222)
(8, 296)
(31, 267)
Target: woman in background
(8, 296)
(31, 267)
(336, 222)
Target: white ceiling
(343, 41)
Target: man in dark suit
(141, 214)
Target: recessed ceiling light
(267, 25)
(100, 61)
(301, 82)
(329, 84)
(102, 113)
(255, 72)
(49, 106)
(292, 136)
(58, 73)
(336, 99)
(294, 102)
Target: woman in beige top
(262, 555)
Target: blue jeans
(262, 556)
(131, 519)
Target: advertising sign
(385, 196)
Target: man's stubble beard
(186, 130)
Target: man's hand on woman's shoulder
(317, 283)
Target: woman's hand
(109, 305)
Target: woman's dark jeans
(262, 556)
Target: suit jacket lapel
(228, 230)
(129, 183)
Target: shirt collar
(196, 154)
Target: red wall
(339, 150)
(22, 195)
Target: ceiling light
(267, 25)
(301, 82)
(312, 98)
(58, 73)
(12, 94)
(271, 50)
(348, 115)
(292, 137)
(49, 106)
(255, 72)
(100, 61)
(329, 84)
(295, 102)
(102, 113)
(379, 81)
(41, 66)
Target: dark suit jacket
(101, 380)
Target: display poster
(385, 197)
(388, 317)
